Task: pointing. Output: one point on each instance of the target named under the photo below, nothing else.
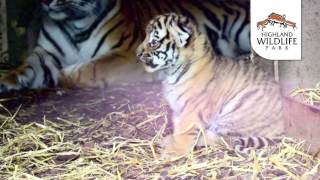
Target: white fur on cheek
(181, 36)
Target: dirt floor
(122, 107)
(113, 133)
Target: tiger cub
(219, 96)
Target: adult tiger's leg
(40, 69)
(110, 69)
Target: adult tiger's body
(224, 98)
(92, 42)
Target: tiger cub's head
(170, 40)
(60, 10)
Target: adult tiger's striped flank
(92, 42)
(225, 98)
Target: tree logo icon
(275, 18)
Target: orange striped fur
(223, 97)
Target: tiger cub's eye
(154, 43)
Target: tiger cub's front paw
(172, 148)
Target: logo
(276, 40)
(275, 30)
(275, 18)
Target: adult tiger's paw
(171, 149)
(3, 87)
(8, 83)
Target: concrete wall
(302, 120)
(305, 73)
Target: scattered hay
(309, 95)
(115, 135)
(50, 150)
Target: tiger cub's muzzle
(144, 57)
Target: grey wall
(305, 73)
(303, 121)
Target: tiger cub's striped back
(223, 97)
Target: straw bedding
(114, 133)
(308, 95)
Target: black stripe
(207, 85)
(173, 47)
(234, 23)
(29, 83)
(176, 70)
(213, 37)
(180, 96)
(250, 142)
(158, 23)
(156, 35)
(243, 25)
(182, 28)
(184, 11)
(84, 35)
(47, 73)
(66, 33)
(53, 42)
(226, 8)
(165, 21)
(135, 37)
(185, 69)
(56, 60)
(120, 42)
(270, 142)
(208, 13)
(48, 80)
(105, 36)
(168, 46)
(242, 142)
(224, 28)
(261, 143)
(242, 100)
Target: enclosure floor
(122, 106)
(115, 133)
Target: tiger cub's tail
(246, 144)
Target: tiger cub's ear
(181, 29)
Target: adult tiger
(92, 42)
(224, 98)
